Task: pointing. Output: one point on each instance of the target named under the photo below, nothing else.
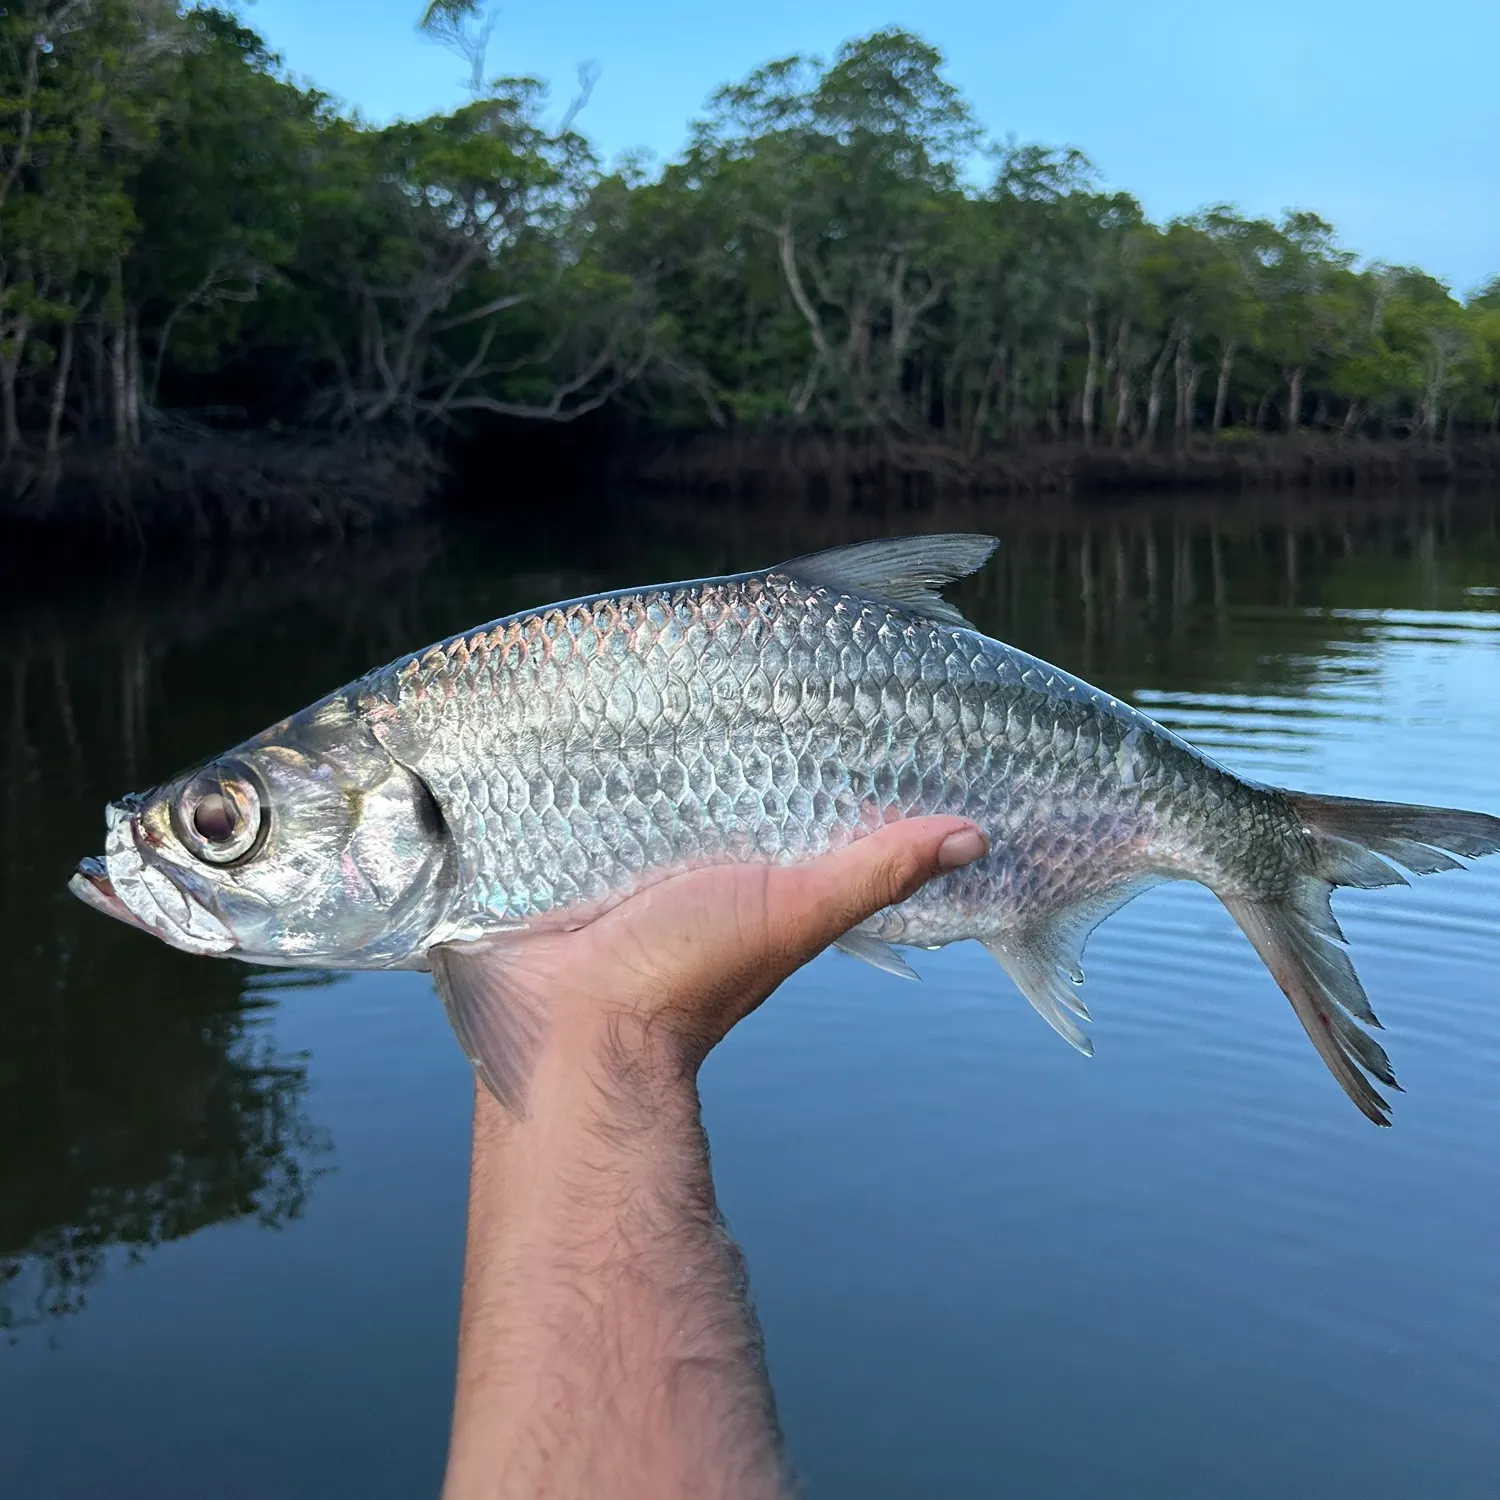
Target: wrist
(611, 1101)
(613, 1069)
(598, 1179)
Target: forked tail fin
(1298, 937)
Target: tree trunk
(1431, 397)
(1294, 399)
(1195, 377)
(133, 378)
(788, 248)
(1352, 416)
(119, 386)
(1090, 379)
(905, 315)
(1182, 415)
(59, 398)
(803, 394)
(1122, 387)
(1153, 390)
(996, 372)
(1260, 413)
(857, 355)
(1153, 410)
(1124, 400)
(949, 396)
(94, 397)
(1221, 393)
(10, 365)
(1054, 359)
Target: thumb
(817, 903)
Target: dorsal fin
(907, 571)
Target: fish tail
(1349, 842)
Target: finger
(815, 903)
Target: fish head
(309, 844)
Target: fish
(531, 774)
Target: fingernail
(961, 848)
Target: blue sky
(1382, 117)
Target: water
(231, 1203)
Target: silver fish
(536, 771)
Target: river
(231, 1201)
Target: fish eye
(219, 816)
(215, 819)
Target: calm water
(231, 1204)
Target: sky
(1383, 118)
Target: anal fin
(497, 1021)
(1044, 956)
(873, 951)
(1037, 971)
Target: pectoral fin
(872, 951)
(498, 1023)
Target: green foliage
(220, 199)
(206, 227)
(184, 229)
(824, 259)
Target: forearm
(607, 1345)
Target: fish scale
(538, 770)
(758, 716)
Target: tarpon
(534, 772)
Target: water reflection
(1122, 586)
(141, 1094)
(142, 1097)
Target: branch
(697, 377)
(588, 76)
(468, 371)
(799, 292)
(555, 409)
(500, 304)
(382, 364)
(802, 397)
(219, 266)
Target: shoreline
(830, 466)
(201, 486)
(188, 490)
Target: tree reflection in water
(140, 1112)
(142, 1094)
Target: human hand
(659, 980)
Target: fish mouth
(136, 886)
(91, 884)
